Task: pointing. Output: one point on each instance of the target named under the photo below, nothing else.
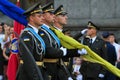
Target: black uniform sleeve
(104, 51)
(103, 55)
(77, 36)
(51, 52)
(28, 40)
(72, 53)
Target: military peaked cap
(60, 11)
(92, 25)
(48, 8)
(36, 8)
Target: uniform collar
(46, 26)
(93, 39)
(58, 29)
(34, 28)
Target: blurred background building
(104, 13)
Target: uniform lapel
(96, 41)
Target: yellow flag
(70, 43)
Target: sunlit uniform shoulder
(32, 41)
(53, 42)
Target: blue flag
(13, 11)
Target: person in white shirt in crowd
(76, 68)
(111, 55)
(4, 34)
(2, 41)
(7, 48)
(117, 46)
(4, 30)
(112, 40)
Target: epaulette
(42, 33)
(26, 39)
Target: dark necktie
(90, 42)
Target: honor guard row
(40, 48)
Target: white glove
(101, 75)
(64, 51)
(82, 51)
(69, 78)
(84, 31)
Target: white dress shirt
(93, 39)
(34, 28)
(117, 48)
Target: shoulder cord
(38, 37)
(50, 39)
(52, 34)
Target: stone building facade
(104, 13)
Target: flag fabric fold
(70, 43)
(15, 13)
(12, 11)
(14, 57)
(12, 66)
(18, 27)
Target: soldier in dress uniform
(31, 46)
(59, 22)
(51, 60)
(93, 71)
(54, 51)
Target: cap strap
(35, 11)
(48, 10)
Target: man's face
(111, 38)
(91, 31)
(37, 19)
(61, 19)
(48, 17)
